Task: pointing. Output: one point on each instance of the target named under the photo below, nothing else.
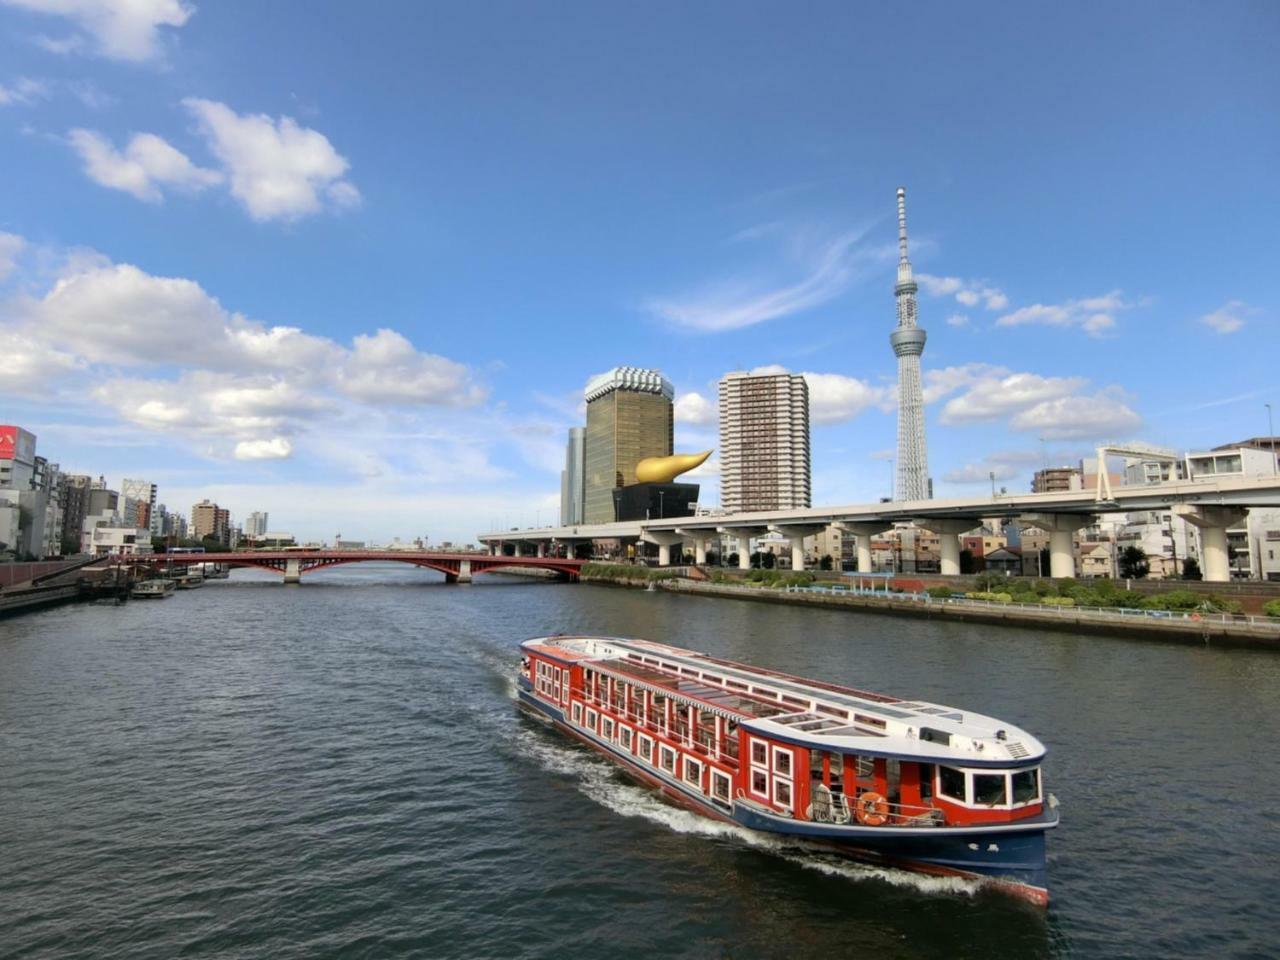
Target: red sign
(17, 444)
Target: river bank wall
(1249, 633)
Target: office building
(1057, 480)
(572, 478)
(764, 442)
(210, 520)
(139, 502)
(629, 417)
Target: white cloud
(147, 164)
(957, 320)
(121, 29)
(740, 302)
(277, 448)
(277, 169)
(970, 293)
(941, 382)
(23, 91)
(223, 376)
(387, 368)
(1102, 415)
(1094, 315)
(10, 246)
(835, 398)
(695, 408)
(994, 397)
(1228, 318)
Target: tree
(1191, 570)
(1133, 563)
(768, 560)
(825, 562)
(733, 559)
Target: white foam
(595, 778)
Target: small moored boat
(151, 589)
(906, 783)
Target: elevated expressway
(1212, 505)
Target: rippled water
(339, 769)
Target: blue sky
(353, 263)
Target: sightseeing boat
(905, 783)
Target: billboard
(17, 444)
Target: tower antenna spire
(912, 481)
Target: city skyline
(399, 335)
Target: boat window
(667, 756)
(867, 767)
(1026, 785)
(577, 713)
(926, 782)
(871, 721)
(606, 728)
(951, 783)
(782, 762)
(720, 785)
(988, 788)
(782, 792)
(759, 752)
(693, 772)
(624, 735)
(646, 748)
(760, 783)
(833, 711)
(930, 735)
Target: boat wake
(597, 779)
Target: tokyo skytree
(908, 343)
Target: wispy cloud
(739, 302)
(120, 29)
(970, 293)
(1228, 318)
(1094, 315)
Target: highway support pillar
(948, 532)
(701, 541)
(464, 572)
(862, 533)
(1213, 522)
(665, 539)
(293, 570)
(744, 536)
(1060, 527)
(542, 548)
(796, 534)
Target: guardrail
(1119, 614)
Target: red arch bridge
(456, 567)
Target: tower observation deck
(912, 480)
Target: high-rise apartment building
(629, 417)
(210, 520)
(764, 442)
(256, 525)
(572, 476)
(1057, 480)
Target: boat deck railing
(829, 806)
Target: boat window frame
(646, 748)
(751, 782)
(970, 801)
(577, 713)
(784, 783)
(592, 718)
(663, 753)
(692, 764)
(612, 726)
(718, 777)
(790, 756)
(625, 736)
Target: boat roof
(810, 713)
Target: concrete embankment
(1207, 630)
(60, 583)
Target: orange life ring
(871, 809)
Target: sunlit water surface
(339, 769)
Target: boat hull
(1010, 857)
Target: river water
(339, 770)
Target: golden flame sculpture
(666, 469)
